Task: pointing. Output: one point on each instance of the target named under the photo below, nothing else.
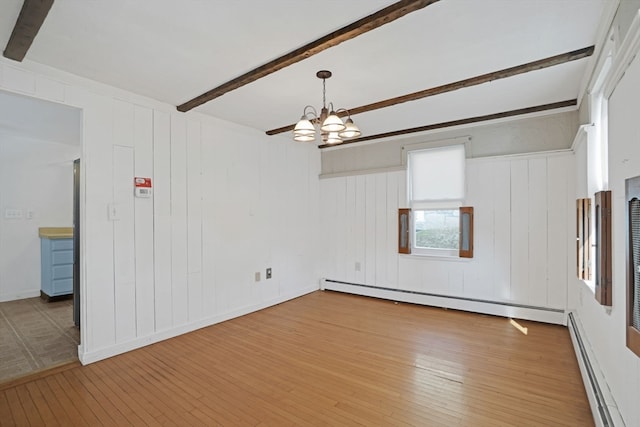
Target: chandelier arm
(339, 112)
(313, 113)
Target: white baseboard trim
(104, 353)
(603, 406)
(538, 314)
(13, 296)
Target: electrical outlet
(269, 273)
(358, 266)
(257, 276)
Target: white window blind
(436, 174)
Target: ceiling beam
(473, 81)
(32, 15)
(511, 113)
(368, 23)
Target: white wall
(605, 328)
(35, 176)
(521, 206)
(228, 202)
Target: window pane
(437, 229)
(466, 228)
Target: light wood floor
(324, 359)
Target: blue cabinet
(57, 266)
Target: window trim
(602, 217)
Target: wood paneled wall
(227, 202)
(522, 211)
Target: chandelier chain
(324, 93)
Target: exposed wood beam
(460, 122)
(473, 81)
(29, 21)
(368, 23)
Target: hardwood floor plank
(18, 414)
(40, 405)
(324, 359)
(64, 403)
(104, 399)
(5, 410)
(147, 398)
(33, 415)
(58, 412)
(144, 403)
(124, 397)
(80, 400)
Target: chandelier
(332, 129)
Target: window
(633, 264)
(436, 185)
(599, 112)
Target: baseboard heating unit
(602, 406)
(496, 308)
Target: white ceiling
(175, 50)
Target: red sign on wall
(142, 182)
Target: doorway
(39, 141)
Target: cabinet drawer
(62, 272)
(62, 257)
(62, 287)
(60, 244)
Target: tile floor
(34, 335)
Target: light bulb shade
(332, 123)
(350, 130)
(303, 138)
(333, 138)
(304, 128)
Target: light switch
(113, 212)
(12, 213)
